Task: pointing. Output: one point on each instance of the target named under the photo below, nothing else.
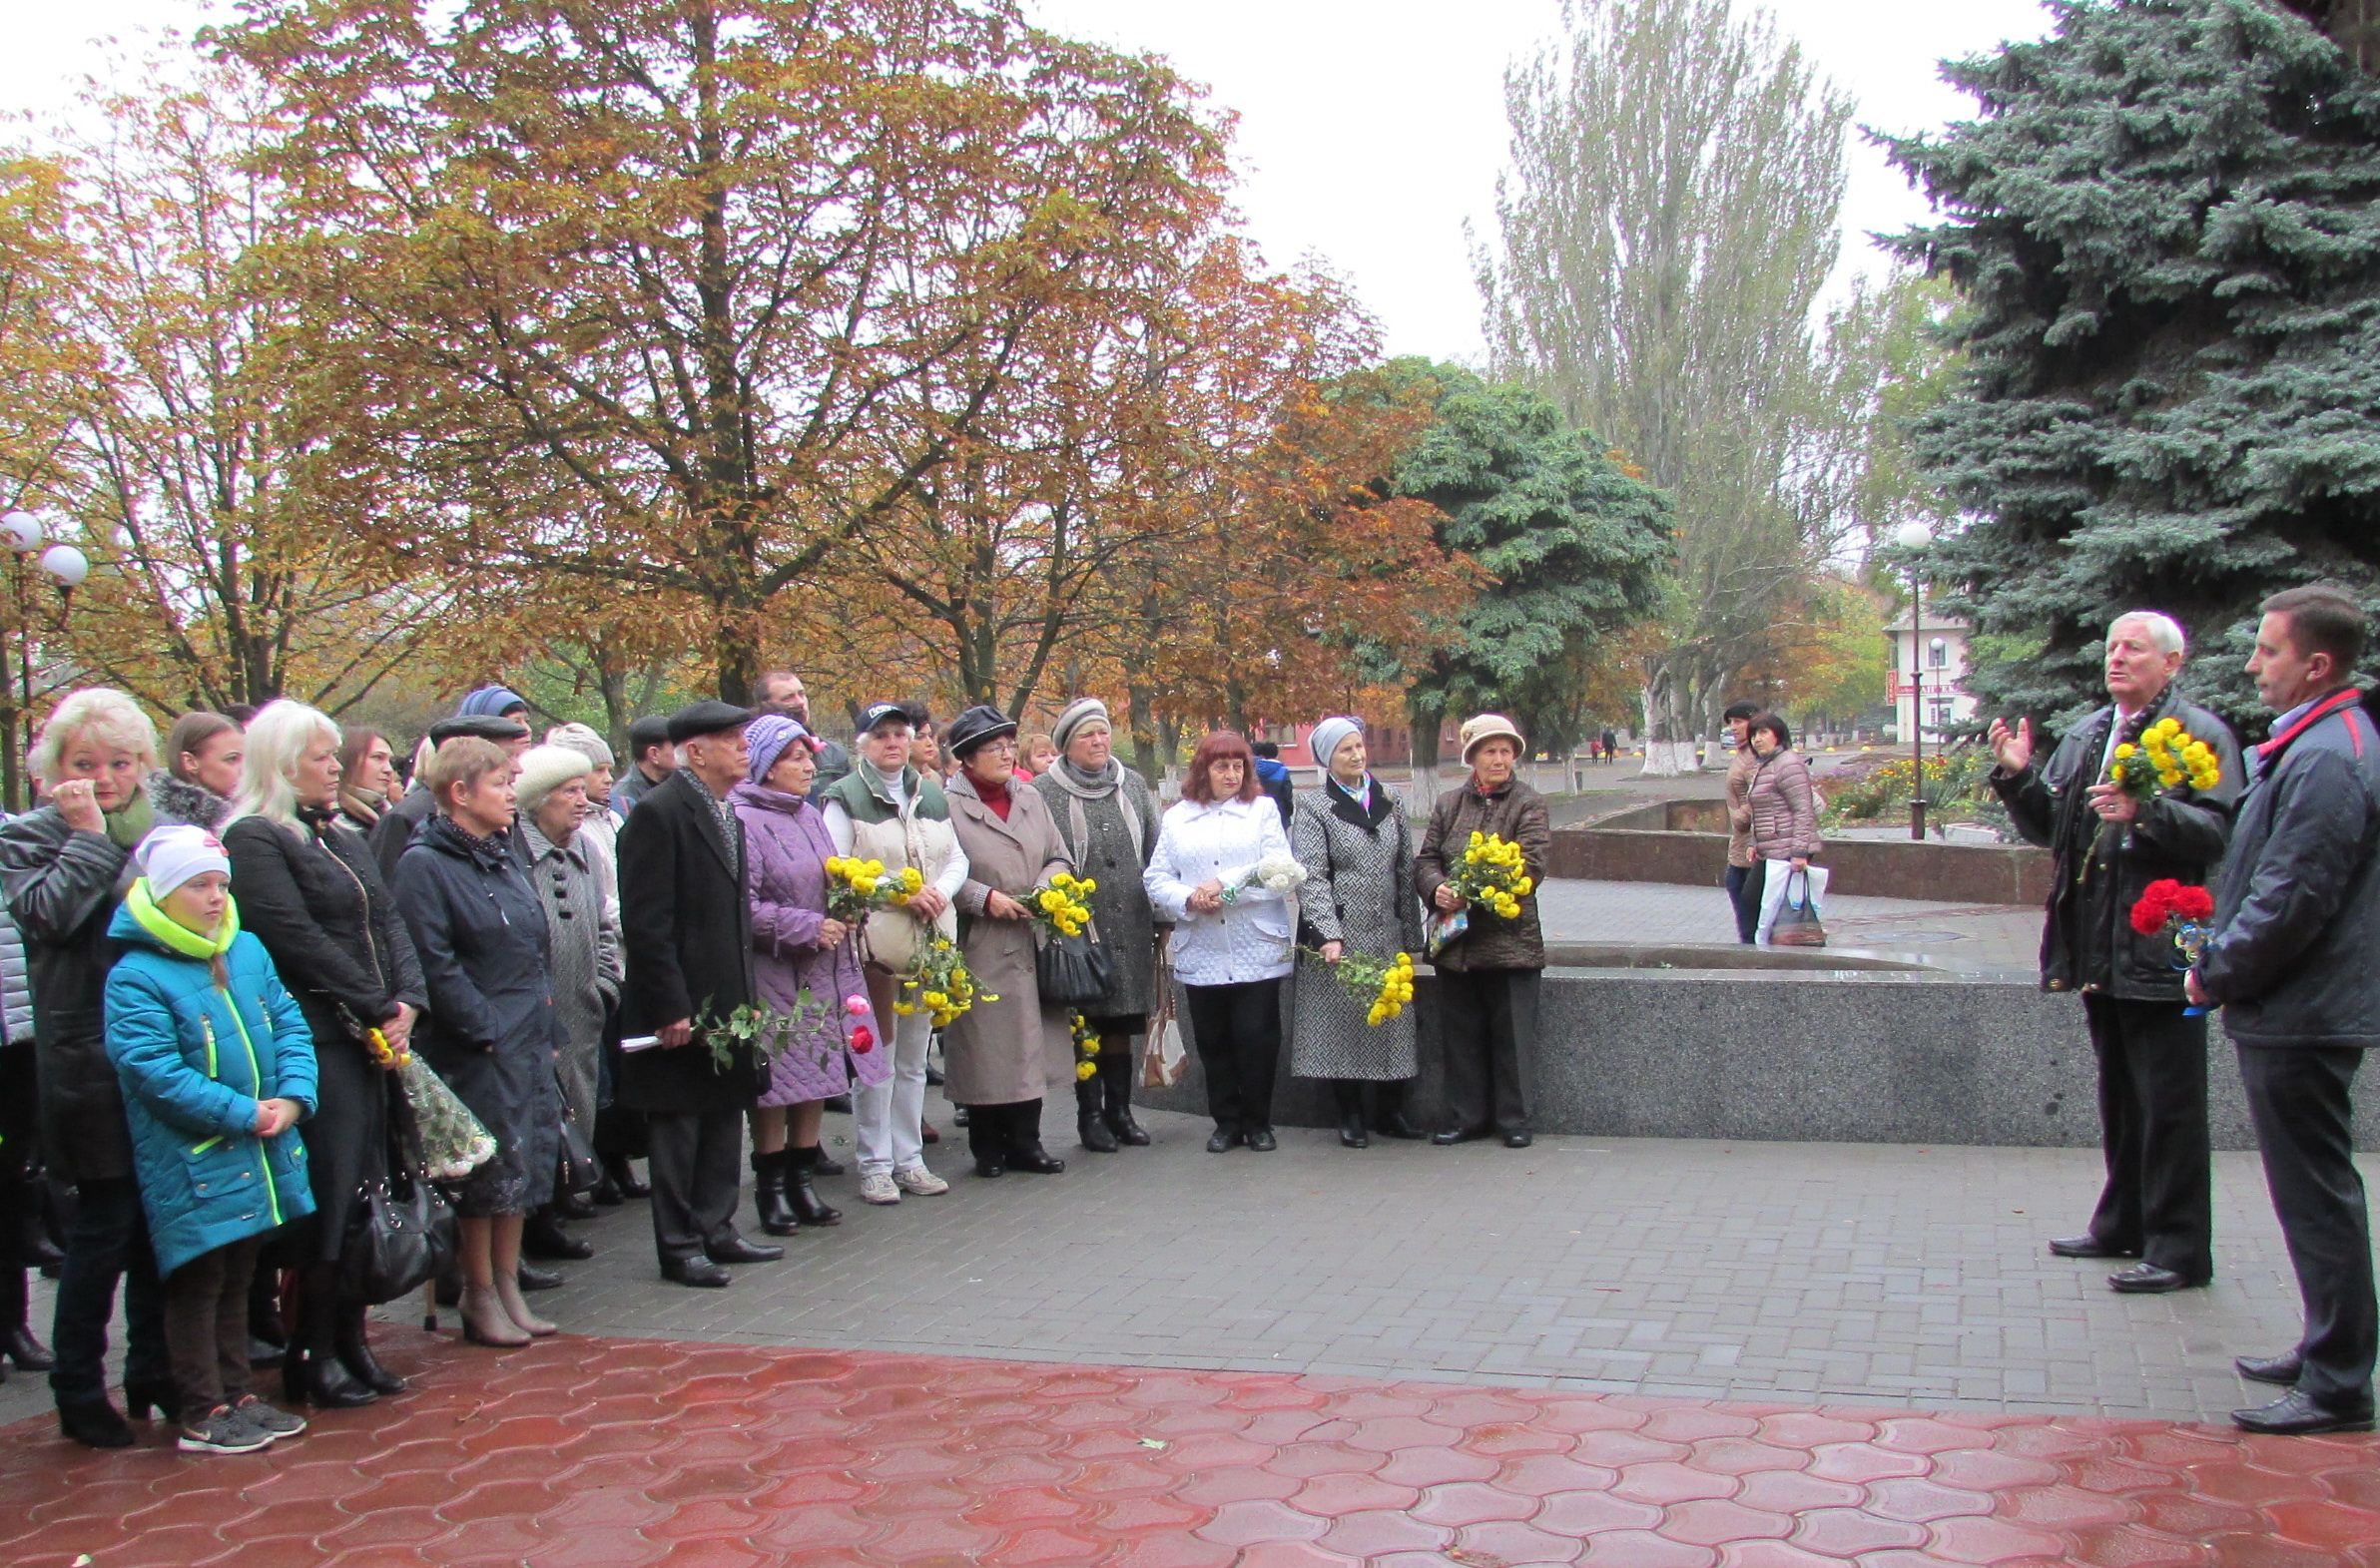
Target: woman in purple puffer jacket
(797, 950)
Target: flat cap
(480, 727)
(708, 717)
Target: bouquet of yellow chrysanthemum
(857, 888)
(937, 980)
(1086, 1048)
(1064, 905)
(1384, 987)
(1493, 874)
(2165, 757)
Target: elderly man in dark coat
(2158, 1201)
(687, 933)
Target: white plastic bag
(1772, 894)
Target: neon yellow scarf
(175, 936)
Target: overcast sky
(1370, 130)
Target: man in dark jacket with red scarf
(2297, 924)
(2158, 1201)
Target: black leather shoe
(571, 1205)
(543, 1238)
(325, 1384)
(159, 1398)
(933, 1077)
(31, 1356)
(958, 1116)
(622, 1170)
(1457, 1135)
(1396, 1124)
(1261, 1139)
(1352, 1134)
(700, 1273)
(533, 1278)
(2294, 1414)
(827, 1164)
(263, 1354)
(988, 1169)
(2150, 1280)
(1519, 1140)
(1037, 1160)
(2088, 1247)
(734, 1249)
(2283, 1370)
(607, 1194)
(353, 1339)
(1095, 1134)
(1222, 1140)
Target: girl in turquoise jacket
(217, 1066)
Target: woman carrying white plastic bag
(1784, 824)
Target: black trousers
(1488, 1026)
(696, 1166)
(109, 1240)
(1237, 1030)
(2300, 1100)
(2160, 1197)
(997, 1132)
(206, 1313)
(1745, 883)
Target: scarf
(130, 823)
(1367, 812)
(365, 805)
(1081, 787)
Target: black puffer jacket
(63, 887)
(2298, 913)
(2087, 943)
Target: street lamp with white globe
(1915, 538)
(66, 568)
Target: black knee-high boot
(1090, 1121)
(1349, 1091)
(16, 1302)
(1116, 1082)
(311, 1371)
(354, 1343)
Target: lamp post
(66, 567)
(1915, 537)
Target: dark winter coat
(2297, 915)
(1516, 813)
(63, 887)
(394, 832)
(2087, 943)
(316, 899)
(195, 1060)
(492, 1031)
(687, 926)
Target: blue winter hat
(490, 702)
(766, 737)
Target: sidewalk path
(1987, 939)
(577, 1452)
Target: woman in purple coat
(796, 949)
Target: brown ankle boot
(508, 1296)
(486, 1322)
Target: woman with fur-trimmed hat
(1486, 976)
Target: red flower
(862, 1040)
(2155, 906)
(2194, 903)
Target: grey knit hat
(583, 739)
(1082, 711)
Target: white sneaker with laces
(916, 1179)
(877, 1187)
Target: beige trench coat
(998, 1053)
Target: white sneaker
(916, 1179)
(877, 1187)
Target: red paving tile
(591, 1453)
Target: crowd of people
(225, 964)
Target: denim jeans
(109, 1240)
(1745, 884)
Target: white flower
(1278, 871)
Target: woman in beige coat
(1000, 1055)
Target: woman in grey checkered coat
(1356, 847)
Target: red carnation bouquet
(2179, 912)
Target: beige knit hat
(543, 769)
(1488, 727)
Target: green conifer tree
(2164, 226)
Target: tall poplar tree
(1669, 223)
(2162, 221)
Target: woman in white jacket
(1231, 931)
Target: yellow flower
(864, 884)
(2170, 776)
(1089, 884)
(904, 1008)
(2126, 749)
(1085, 1071)
(1524, 886)
(2168, 728)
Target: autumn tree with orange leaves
(684, 296)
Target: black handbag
(1069, 970)
(575, 1170)
(403, 1233)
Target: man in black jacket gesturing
(2291, 965)
(687, 928)
(2158, 1201)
